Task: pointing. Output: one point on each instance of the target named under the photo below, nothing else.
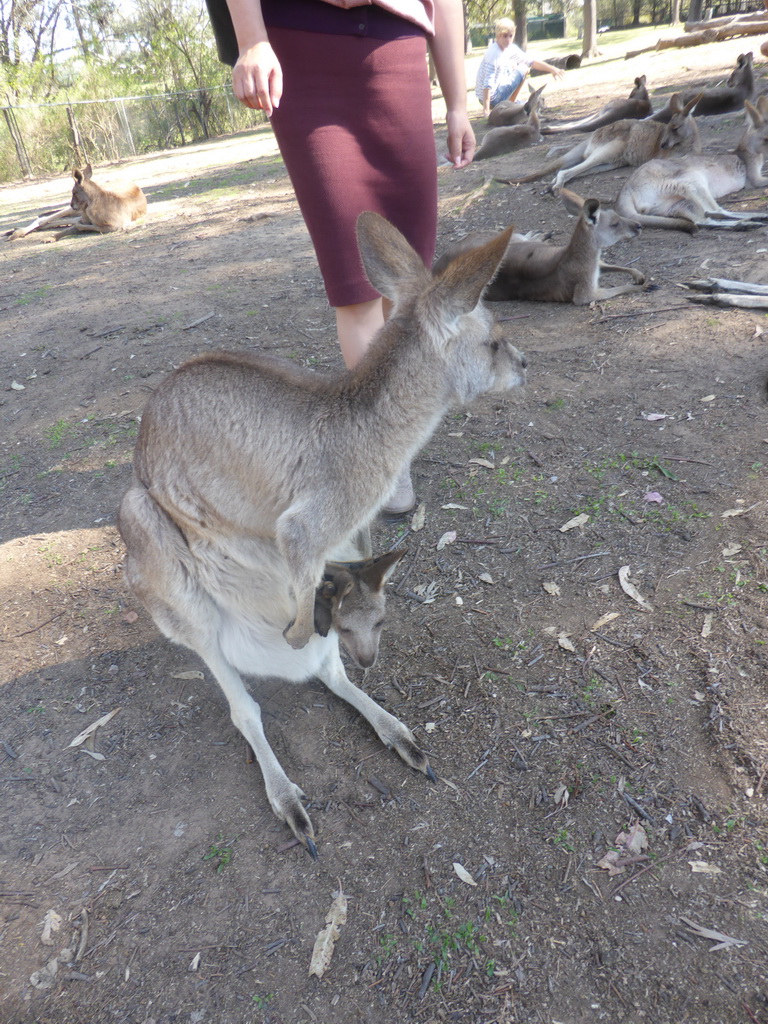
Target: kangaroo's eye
(379, 624)
(494, 346)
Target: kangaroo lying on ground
(234, 449)
(533, 270)
(681, 194)
(720, 99)
(230, 605)
(92, 208)
(513, 111)
(637, 105)
(627, 143)
(511, 137)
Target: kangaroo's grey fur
(506, 139)
(681, 194)
(724, 99)
(627, 143)
(532, 269)
(637, 105)
(236, 450)
(514, 111)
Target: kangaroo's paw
(404, 742)
(297, 635)
(286, 803)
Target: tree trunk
(520, 8)
(675, 12)
(589, 48)
(695, 9)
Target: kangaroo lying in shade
(626, 143)
(723, 99)
(498, 141)
(235, 450)
(92, 208)
(533, 270)
(513, 111)
(681, 194)
(637, 105)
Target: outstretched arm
(447, 47)
(541, 65)
(257, 79)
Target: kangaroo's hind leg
(161, 571)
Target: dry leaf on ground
(326, 937)
(631, 590)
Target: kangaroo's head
(599, 223)
(755, 138)
(639, 90)
(80, 195)
(743, 73)
(535, 101)
(351, 601)
(439, 323)
(681, 133)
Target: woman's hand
(257, 78)
(461, 139)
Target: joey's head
(755, 138)
(351, 601)
(742, 73)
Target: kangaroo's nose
(523, 361)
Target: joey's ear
(324, 607)
(377, 572)
(572, 202)
(591, 210)
(387, 257)
(640, 80)
(691, 104)
(464, 279)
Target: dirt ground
(564, 719)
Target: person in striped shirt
(504, 67)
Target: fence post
(18, 141)
(76, 142)
(123, 115)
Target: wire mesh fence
(51, 138)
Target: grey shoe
(402, 499)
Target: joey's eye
(494, 346)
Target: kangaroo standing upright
(237, 450)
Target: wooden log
(713, 35)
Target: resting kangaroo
(511, 137)
(531, 269)
(681, 194)
(230, 605)
(627, 143)
(637, 105)
(236, 449)
(720, 99)
(513, 111)
(93, 208)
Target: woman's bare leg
(357, 326)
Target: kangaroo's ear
(691, 104)
(88, 172)
(77, 174)
(378, 570)
(572, 202)
(591, 210)
(387, 257)
(755, 114)
(675, 105)
(324, 607)
(762, 104)
(463, 281)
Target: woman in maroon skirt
(348, 94)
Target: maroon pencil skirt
(354, 128)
